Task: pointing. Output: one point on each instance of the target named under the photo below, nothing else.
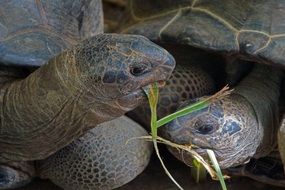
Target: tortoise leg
(267, 170)
(106, 157)
(16, 174)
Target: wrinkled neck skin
(262, 90)
(34, 112)
(259, 93)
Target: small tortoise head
(118, 66)
(15, 174)
(229, 127)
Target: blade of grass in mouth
(152, 94)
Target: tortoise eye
(205, 129)
(138, 70)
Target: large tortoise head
(101, 76)
(116, 67)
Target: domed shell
(253, 29)
(31, 32)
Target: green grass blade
(217, 168)
(152, 95)
(194, 107)
(189, 109)
(164, 167)
(198, 171)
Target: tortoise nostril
(137, 70)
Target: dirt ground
(154, 178)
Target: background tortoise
(244, 31)
(251, 30)
(94, 81)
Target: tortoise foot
(267, 170)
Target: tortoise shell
(252, 29)
(31, 32)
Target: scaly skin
(238, 127)
(268, 170)
(99, 79)
(106, 157)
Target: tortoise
(237, 127)
(85, 76)
(245, 31)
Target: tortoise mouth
(225, 160)
(137, 97)
(142, 90)
(161, 83)
(187, 158)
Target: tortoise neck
(43, 112)
(262, 90)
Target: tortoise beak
(160, 74)
(161, 71)
(166, 69)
